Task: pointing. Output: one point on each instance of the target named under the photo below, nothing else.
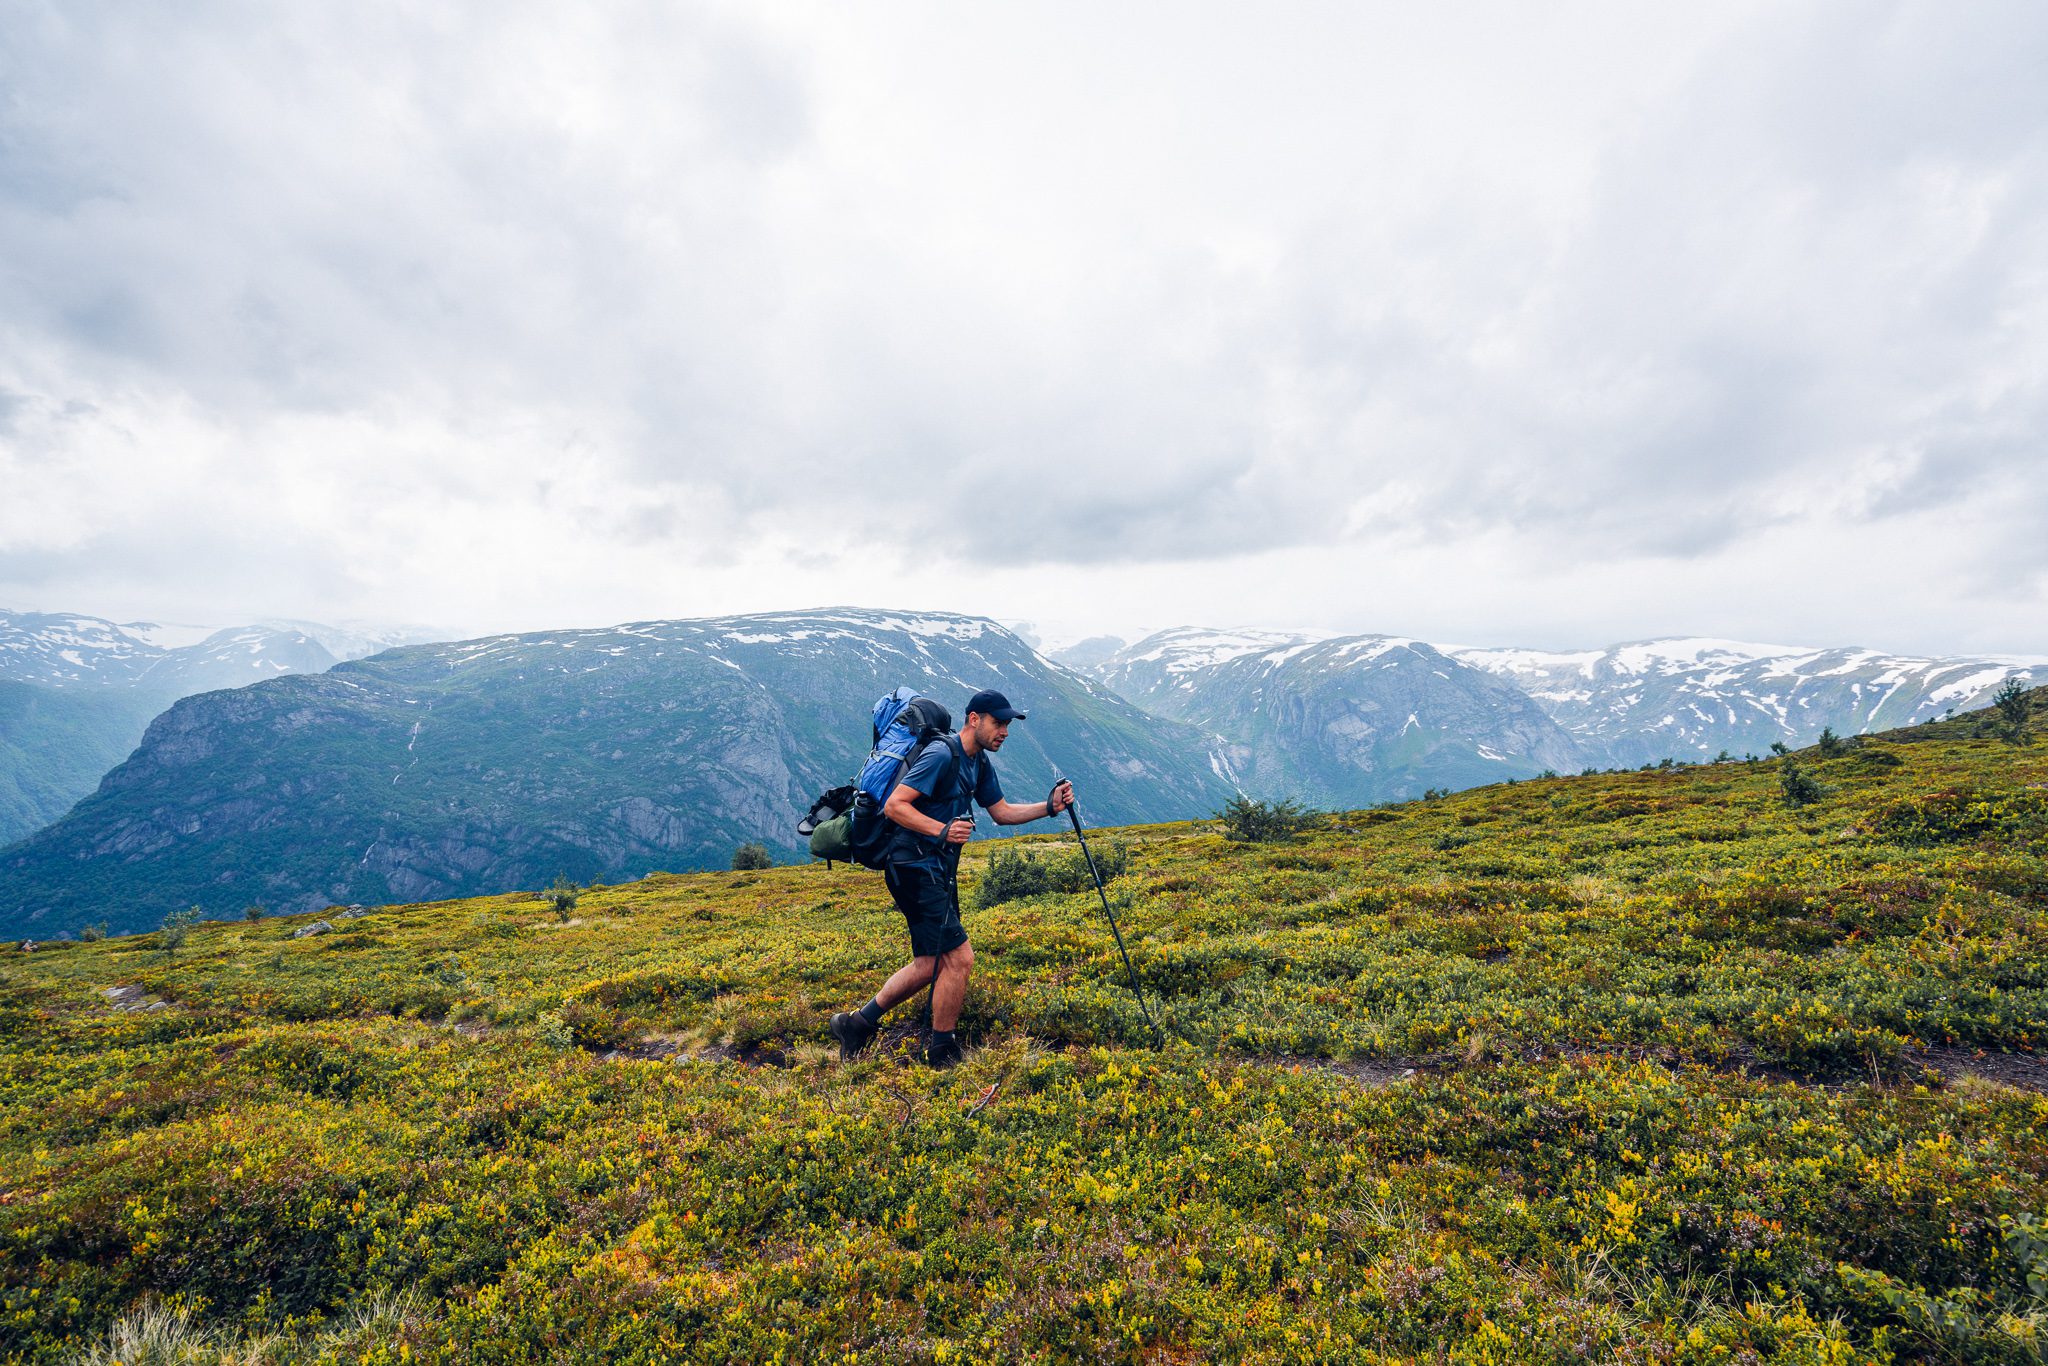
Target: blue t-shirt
(951, 787)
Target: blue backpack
(846, 825)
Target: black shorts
(925, 896)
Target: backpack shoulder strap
(956, 762)
(960, 766)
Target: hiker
(932, 808)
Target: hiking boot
(943, 1055)
(854, 1034)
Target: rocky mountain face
(1690, 698)
(1340, 722)
(493, 764)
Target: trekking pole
(1074, 814)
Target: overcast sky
(1499, 324)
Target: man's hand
(1060, 798)
(958, 831)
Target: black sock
(942, 1038)
(872, 1011)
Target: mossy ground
(1624, 1067)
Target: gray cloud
(716, 288)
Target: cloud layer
(1544, 328)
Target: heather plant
(1636, 1066)
(494, 925)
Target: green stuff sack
(832, 840)
(829, 824)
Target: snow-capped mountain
(70, 651)
(1341, 721)
(490, 764)
(60, 650)
(113, 678)
(1691, 698)
(357, 639)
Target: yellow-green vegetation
(1630, 1067)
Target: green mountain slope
(92, 687)
(1632, 1067)
(481, 766)
(54, 745)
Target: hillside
(54, 745)
(1633, 1067)
(492, 764)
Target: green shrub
(2013, 704)
(1962, 814)
(177, 925)
(561, 896)
(751, 857)
(1245, 818)
(253, 913)
(92, 934)
(1800, 787)
(1831, 745)
(1014, 874)
(555, 1031)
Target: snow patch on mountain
(167, 635)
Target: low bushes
(1015, 873)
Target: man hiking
(932, 808)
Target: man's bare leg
(905, 983)
(855, 1029)
(951, 988)
(916, 975)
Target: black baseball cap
(990, 703)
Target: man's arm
(1010, 813)
(900, 809)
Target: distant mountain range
(442, 770)
(1691, 698)
(1350, 720)
(1340, 722)
(446, 770)
(76, 692)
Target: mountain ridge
(507, 760)
(92, 686)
